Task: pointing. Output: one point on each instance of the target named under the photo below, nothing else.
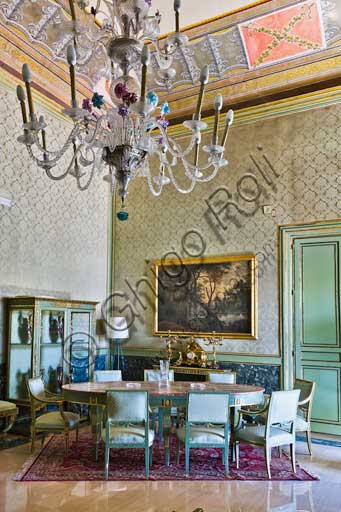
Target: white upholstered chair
(222, 378)
(127, 424)
(155, 376)
(206, 425)
(57, 422)
(279, 428)
(107, 375)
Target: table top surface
(178, 388)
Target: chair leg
(236, 450)
(226, 458)
(106, 461)
(177, 451)
(42, 439)
(33, 438)
(67, 442)
(187, 458)
(308, 436)
(160, 424)
(280, 451)
(223, 456)
(293, 457)
(267, 454)
(151, 455)
(146, 454)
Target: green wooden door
(317, 347)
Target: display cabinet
(50, 337)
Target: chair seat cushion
(6, 406)
(256, 435)
(128, 435)
(301, 425)
(54, 420)
(202, 435)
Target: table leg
(96, 426)
(167, 430)
(232, 425)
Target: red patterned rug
(50, 464)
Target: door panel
(316, 304)
(327, 385)
(320, 294)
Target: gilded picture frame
(206, 296)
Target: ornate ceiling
(266, 52)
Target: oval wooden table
(161, 395)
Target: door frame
(286, 236)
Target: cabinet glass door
(20, 353)
(51, 348)
(81, 356)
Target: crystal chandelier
(125, 135)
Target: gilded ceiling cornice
(242, 87)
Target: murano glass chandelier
(125, 133)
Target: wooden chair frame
(39, 403)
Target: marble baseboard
(266, 375)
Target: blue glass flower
(164, 109)
(153, 98)
(97, 100)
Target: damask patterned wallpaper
(53, 240)
(291, 164)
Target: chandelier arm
(97, 127)
(178, 188)
(46, 164)
(75, 131)
(170, 143)
(86, 186)
(155, 192)
(211, 176)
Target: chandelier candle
(228, 122)
(27, 77)
(177, 5)
(72, 59)
(21, 98)
(43, 134)
(218, 105)
(145, 59)
(204, 77)
(72, 10)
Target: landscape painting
(206, 295)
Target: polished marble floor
(322, 496)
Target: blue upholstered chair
(222, 378)
(56, 422)
(107, 375)
(127, 424)
(206, 425)
(279, 428)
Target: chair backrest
(155, 375)
(222, 378)
(128, 406)
(307, 390)
(283, 407)
(208, 407)
(107, 375)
